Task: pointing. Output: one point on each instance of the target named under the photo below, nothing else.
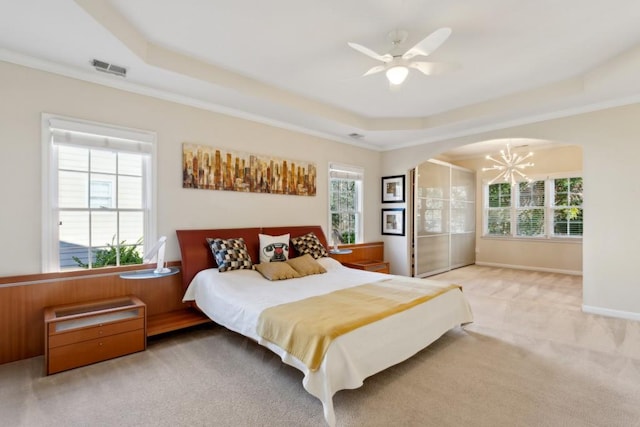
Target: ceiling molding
(173, 75)
(499, 109)
(117, 83)
(104, 13)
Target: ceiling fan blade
(384, 58)
(374, 70)
(429, 43)
(433, 68)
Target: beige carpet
(531, 358)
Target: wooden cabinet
(81, 334)
(369, 265)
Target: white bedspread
(235, 299)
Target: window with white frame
(98, 194)
(345, 203)
(567, 206)
(545, 208)
(530, 208)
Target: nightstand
(369, 265)
(80, 334)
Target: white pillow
(274, 248)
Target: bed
(237, 300)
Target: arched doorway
(543, 253)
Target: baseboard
(628, 315)
(526, 267)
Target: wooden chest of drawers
(80, 334)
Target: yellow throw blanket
(305, 328)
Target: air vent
(105, 67)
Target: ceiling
(287, 63)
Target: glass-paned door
(444, 218)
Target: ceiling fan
(396, 66)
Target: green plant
(348, 237)
(108, 256)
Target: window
(567, 207)
(498, 212)
(99, 194)
(345, 202)
(530, 209)
(544, 208)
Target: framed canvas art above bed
(212, 168)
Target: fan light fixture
(396, 65)
(397, 75)
(510, 166)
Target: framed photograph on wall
(393, 189)
(393, 221)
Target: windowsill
(149, 274)
(340, 251)
(571, 240)
(75, 274)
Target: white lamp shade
(397, 74)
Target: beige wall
(546, 255)
(611, 152)
(26, 93)
(609, 139)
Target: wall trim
(76, 274)
(525, 267)
(128, 86)
(628, 315)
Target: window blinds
(341, 171)
(83, 134)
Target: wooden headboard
(196, 254)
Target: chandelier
(509, 166)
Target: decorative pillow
(230, 254)
(306, 265)
(309, 244)
(274, 248)
(276, 270)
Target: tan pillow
(306, 265)
(276, 270)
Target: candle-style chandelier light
(509, 166)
